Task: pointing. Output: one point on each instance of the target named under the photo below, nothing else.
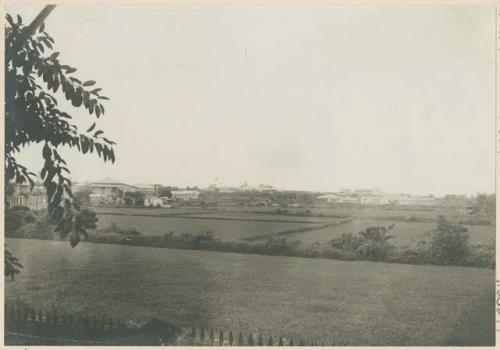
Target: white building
(153, 201)
(185, 195)
(374, 200)
(406, 199)
(34, 198)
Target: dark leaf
(91, 128)
(89, 83)
(10, 20)
(74, 239)
(47, 153)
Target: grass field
(226, 230)
(355, 303)
(237, 225)
(404, 232)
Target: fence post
(291, 342)
(231, 340)
(260, 342)
(301, 342)
(202, 334)
(193, 332)
(250, 340)
(240, 339)
(270, 341)
(280, 342)
(221, 338)
(212, 336)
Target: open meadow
(405, 233)
(352, 303)
(226, 229)
(239, 224)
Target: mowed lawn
(353, 303)
(405, 233)
(226, 230)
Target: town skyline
(218, 185)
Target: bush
(16, 217)
(370, 244)
(88, 218)
(13, 221)
(29, 218)
(449, 243)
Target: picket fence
(25, 325)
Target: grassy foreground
(356, 303)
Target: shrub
(29, 218)
(17, 216)
(88, 218)
(347, 242)
(13, 221)
(449, 243)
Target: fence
(26, 326)
(211, 337)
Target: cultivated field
(224, 229)
(239, 224)
(405, 233)
(356, 303)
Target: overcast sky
(315, 98)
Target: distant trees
(134, 198)
(485, 205)
(165, 192)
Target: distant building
(406, 199)
(145, 188)
(153, 201)
(105, 191)
(339, 198)
(374, 200)
(376, 196)
(243, 188)
(185, 195)
(34, 198)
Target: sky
(299, 97)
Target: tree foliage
(449, 243)
(33, 76)
(11, 265)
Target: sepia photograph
(241, 174)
